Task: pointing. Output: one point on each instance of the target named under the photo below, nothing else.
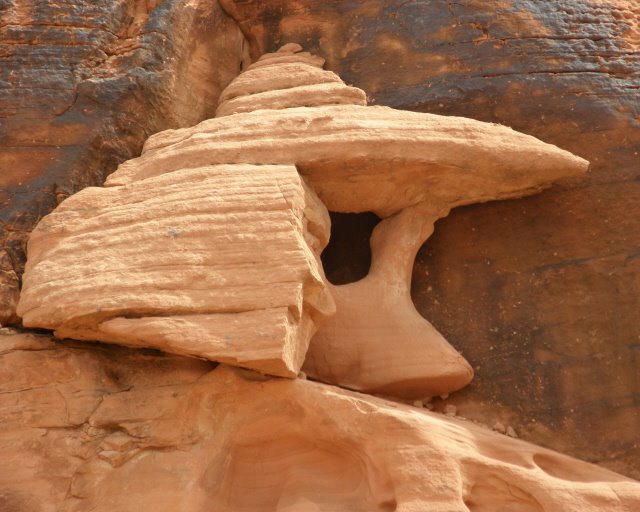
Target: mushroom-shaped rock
(219, 262)
(409, 168)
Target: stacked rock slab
(219, 262)
(409, 168)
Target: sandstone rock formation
(107, 428)
(82, 85)
(233, 440)
(357, 158)
(216, 262)
(540, 294)
(560, 365)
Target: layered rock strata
(219, 262)
(107, 428)
(409, 168)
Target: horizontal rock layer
(104, 420)
(367, 158)
(362, 158)
(216, 262)
(285, 79)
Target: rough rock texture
(82, 85)
(220, 262)
(105, 428)
(540, 294)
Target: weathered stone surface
(362, 158)
(216, 262)
(82, 85)
(105, 428)
(284, 80)
(545, 68)
(540, 294)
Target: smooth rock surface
(219, 262)
(363, 158)
(377, 342)
(106, 428)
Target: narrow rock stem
(396, 241)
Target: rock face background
(82, 86)
(540, 294)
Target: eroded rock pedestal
(409, 168)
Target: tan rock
(361, 158)
(269, 59)
(106, 428)
(219, 262)
(410, 167)
(377, 342)
(265, 78)
(301, 96)
(290, 48)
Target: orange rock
(361, 158)
(365, 158)
(105, 428)
(82, 85)
(219, 262)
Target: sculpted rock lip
(364, 158)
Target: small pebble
(450, 410)
(429, 406)
(418, 403)
(511, 432)
(499, 427)
(302, 376)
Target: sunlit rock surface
(220, 262)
